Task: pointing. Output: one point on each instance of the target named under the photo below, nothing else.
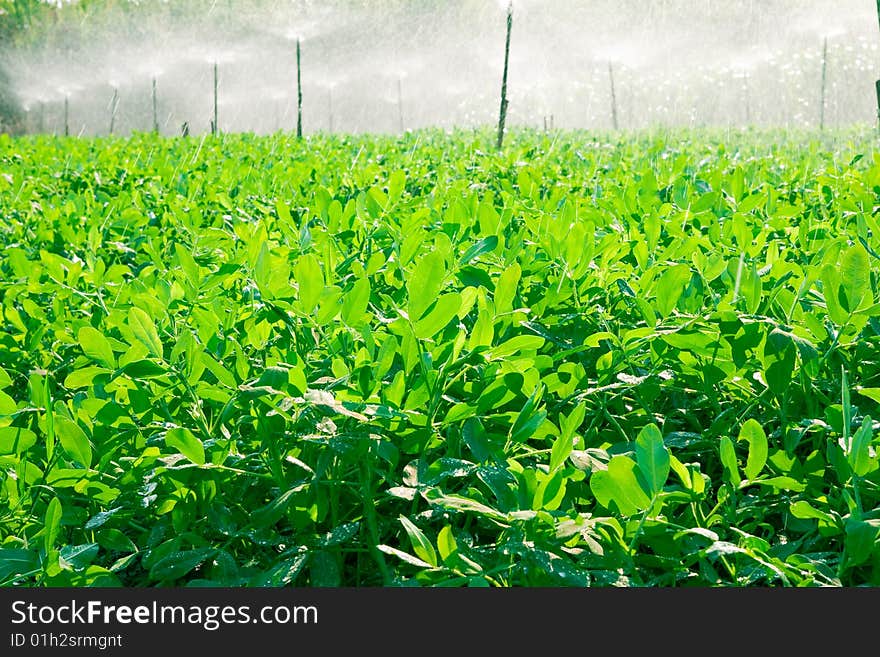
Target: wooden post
(877, 85)
(155, 107)
(502, 117)
(299, 92)
(114, 103)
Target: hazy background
(675, 62)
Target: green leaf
(562, 447)
(145, 369)
(728, 460)
(5, 379)
(652, 457)
(187, 444)
(575, 419)
(550, 492)
(16, 440)
(323, 569)
(444, 311)
(144, 330)
(114, 539)
(83, 377)
(7, 405)
(177, 564)
(283, 212)
(269, 514)
(284, 573)
(463, 504)
(529, 418)
(804, 510)
(74, 441)
(79, 556)
(101, 517)
(355, 302)
(619, 484)
(870, 393)
(782, 483)
(505, 290)
(52, 524)
(855, 275)
(396, 184)
(188, 264)
(861, 541)
(485, 245)
(403, 556)
(420, 543)
(446, 544)
(474, 435)
(831, 286)
(859, 456)
(96, 346)
(671, 286)
(14, 561)
(424, 284)
(310, 280)
(753, 433)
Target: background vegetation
(403, 361)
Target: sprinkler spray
(400, 105)
(614, 120)
(824, 80)
(330, 110)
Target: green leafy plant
(419, 361)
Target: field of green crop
(371, 361)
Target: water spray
(299, 92)
(748, 99)
(614, 120)
(67, 115)
(330, 109)
(155, 108)
(824, 80)
(215, 127)
(41, 118)
(114, 103)
(400, 105)
(502, 117)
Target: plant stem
(370, 517)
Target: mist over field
(387, 66)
